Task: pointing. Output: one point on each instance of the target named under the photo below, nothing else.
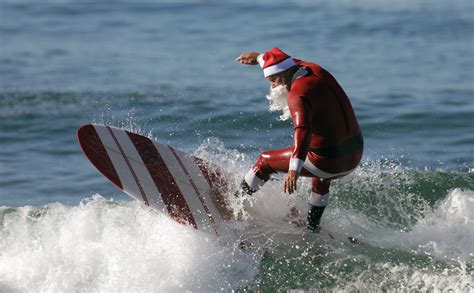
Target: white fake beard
(278, 98)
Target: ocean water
(166, 69)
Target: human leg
(318, 202)
(269, 162)
(325, 170)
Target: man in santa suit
(328, 142)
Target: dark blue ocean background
(166, 69)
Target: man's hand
(248, 58)
(290, 181)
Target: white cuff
(253, 181)
(319, 200)
(296, 164)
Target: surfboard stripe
(163, 179)
(128, 182)
(142, 192)
(136, 162)
(204, 170)
(201, 184)
(95, 151)
(201, 199)
(213, 178)
(185, 186)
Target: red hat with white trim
(275, 61)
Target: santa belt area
(347, 147)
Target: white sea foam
(404, 278)
(447, 232)
(403, 223)
(104, 246)
(440, 246)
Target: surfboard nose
(95, 151)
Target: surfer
(328, 142)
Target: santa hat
(275, 61)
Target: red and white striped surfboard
(156, 174)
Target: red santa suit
(328, 142)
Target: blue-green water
(166, 70)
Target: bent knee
(262, 161)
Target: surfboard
(156, 174)
(184, 187)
